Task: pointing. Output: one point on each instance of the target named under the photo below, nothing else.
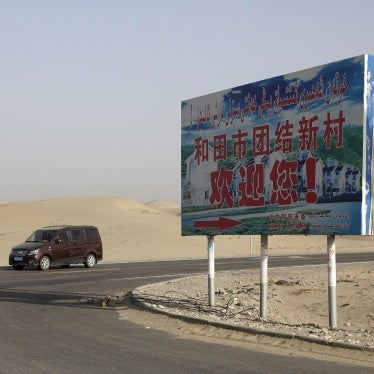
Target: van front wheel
(45, 263)
(90, 261)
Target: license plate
(18, 258)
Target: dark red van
(58, 245)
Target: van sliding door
(78, 248)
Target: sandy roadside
(297, 306)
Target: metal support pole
(264, 276)
(332, 280)
(211, 291)
(250, 246)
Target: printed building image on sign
(286, 155)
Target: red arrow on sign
(221, 223)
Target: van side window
(77, 234)
(92, 235)
(48, 235)
(63, 236)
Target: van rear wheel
(90, 261)
(44, 263)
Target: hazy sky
(91, 90)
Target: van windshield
(42, 236)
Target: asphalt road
(46, 328)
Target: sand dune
(132, 231)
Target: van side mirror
(57, 241)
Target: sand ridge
(133, 231)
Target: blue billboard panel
(286, 155)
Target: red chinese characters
(283, 140)
(245, 182)
(261, 143)
(220, 182)
(308, 133)
(201, 150)
(284, 180)
(334, 127)
(252, 188)
(240, 144)
(219, 147)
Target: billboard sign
(286, 155)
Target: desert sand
(297, 321)
(133, 231)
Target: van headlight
(33, 252)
